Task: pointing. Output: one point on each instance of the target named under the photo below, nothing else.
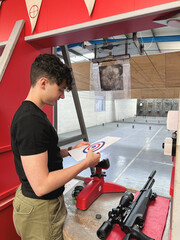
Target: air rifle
(129, 214)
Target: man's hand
(64, 152)
(81, 144)
(92, 159)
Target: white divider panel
(9, 47)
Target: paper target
(80, 153)
(95, 147)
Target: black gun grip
(104, 164)
(137, 234)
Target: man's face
(54, 92)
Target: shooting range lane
(136, 154)
(132, 159)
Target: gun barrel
(150, 178)
(144, 195)
(151, 183)
(152, 174)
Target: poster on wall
(33, 8)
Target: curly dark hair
(50, 66)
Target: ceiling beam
(156, 42)
(78, 54)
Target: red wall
(57, 14)
(7, 231)
(15, 85)
(13, 90)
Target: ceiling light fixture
(170, 20)
(174, 23)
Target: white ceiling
(155, 41)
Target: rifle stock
(137, 234)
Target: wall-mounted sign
(89, 5)
(33, 8)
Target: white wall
(115, 110)
(125, 108)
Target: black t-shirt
(32, 133)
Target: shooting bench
(84, 224)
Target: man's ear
(43, 82)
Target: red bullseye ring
(33, 12)
(94, 147)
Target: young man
(39, 209)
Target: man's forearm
(58, 178)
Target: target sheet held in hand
(80, 153)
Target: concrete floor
(135, 155)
